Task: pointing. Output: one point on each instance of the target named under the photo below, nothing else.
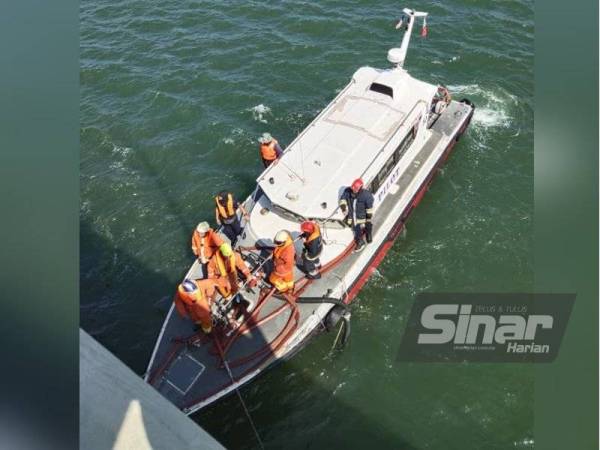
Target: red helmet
(357, 185)
(307, 227)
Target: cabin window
(393, 160)
(286, 213)
(406, 142)
(382, 89)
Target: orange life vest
(225, 272)
(314, 235)
(268, 152)
(225, 211)
(313, 245)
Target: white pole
(407, 34)
(406, 38)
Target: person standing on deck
(226, 207)
(193, 300)
(269, 149)
(357, 203)
(284, 258)
(313, 246)
(223, 269)
(205, 242)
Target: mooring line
(237, 390)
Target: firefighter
(205, 242)
(269, 149)
(313, 245)
(223, 269)
(193, 300)
(226, 207)
(284, 257)
(357, 203)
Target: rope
(343, 324)
(239, 394)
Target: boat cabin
(364, 132)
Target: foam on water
(121, 150)
(495, 109)
(259, 112)
(338, 387)
(487, 118)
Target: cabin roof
(340, 145)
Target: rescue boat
(386, 127)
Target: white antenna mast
(397, 56)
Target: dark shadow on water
(287, 421)
(122, 302)
(173, 206)
(125, 314)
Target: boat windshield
(289, 215)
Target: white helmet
(281, 237)
(265, 138)
(203, 227)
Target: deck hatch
(382, 89)
(184, 372)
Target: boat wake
(494, 107)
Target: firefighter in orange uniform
(223, 269)
(205, 242)
(269, 149)
(313, 246)
(284, 255)
(193, 300)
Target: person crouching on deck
(223, 269)
(193, 300)
(357, 203)
(269, 149)
(205, 242)
(313, 246)
(284, 258)
(226, 215)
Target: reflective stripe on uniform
(227, 211)
(221, 264)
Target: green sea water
(173, 97)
